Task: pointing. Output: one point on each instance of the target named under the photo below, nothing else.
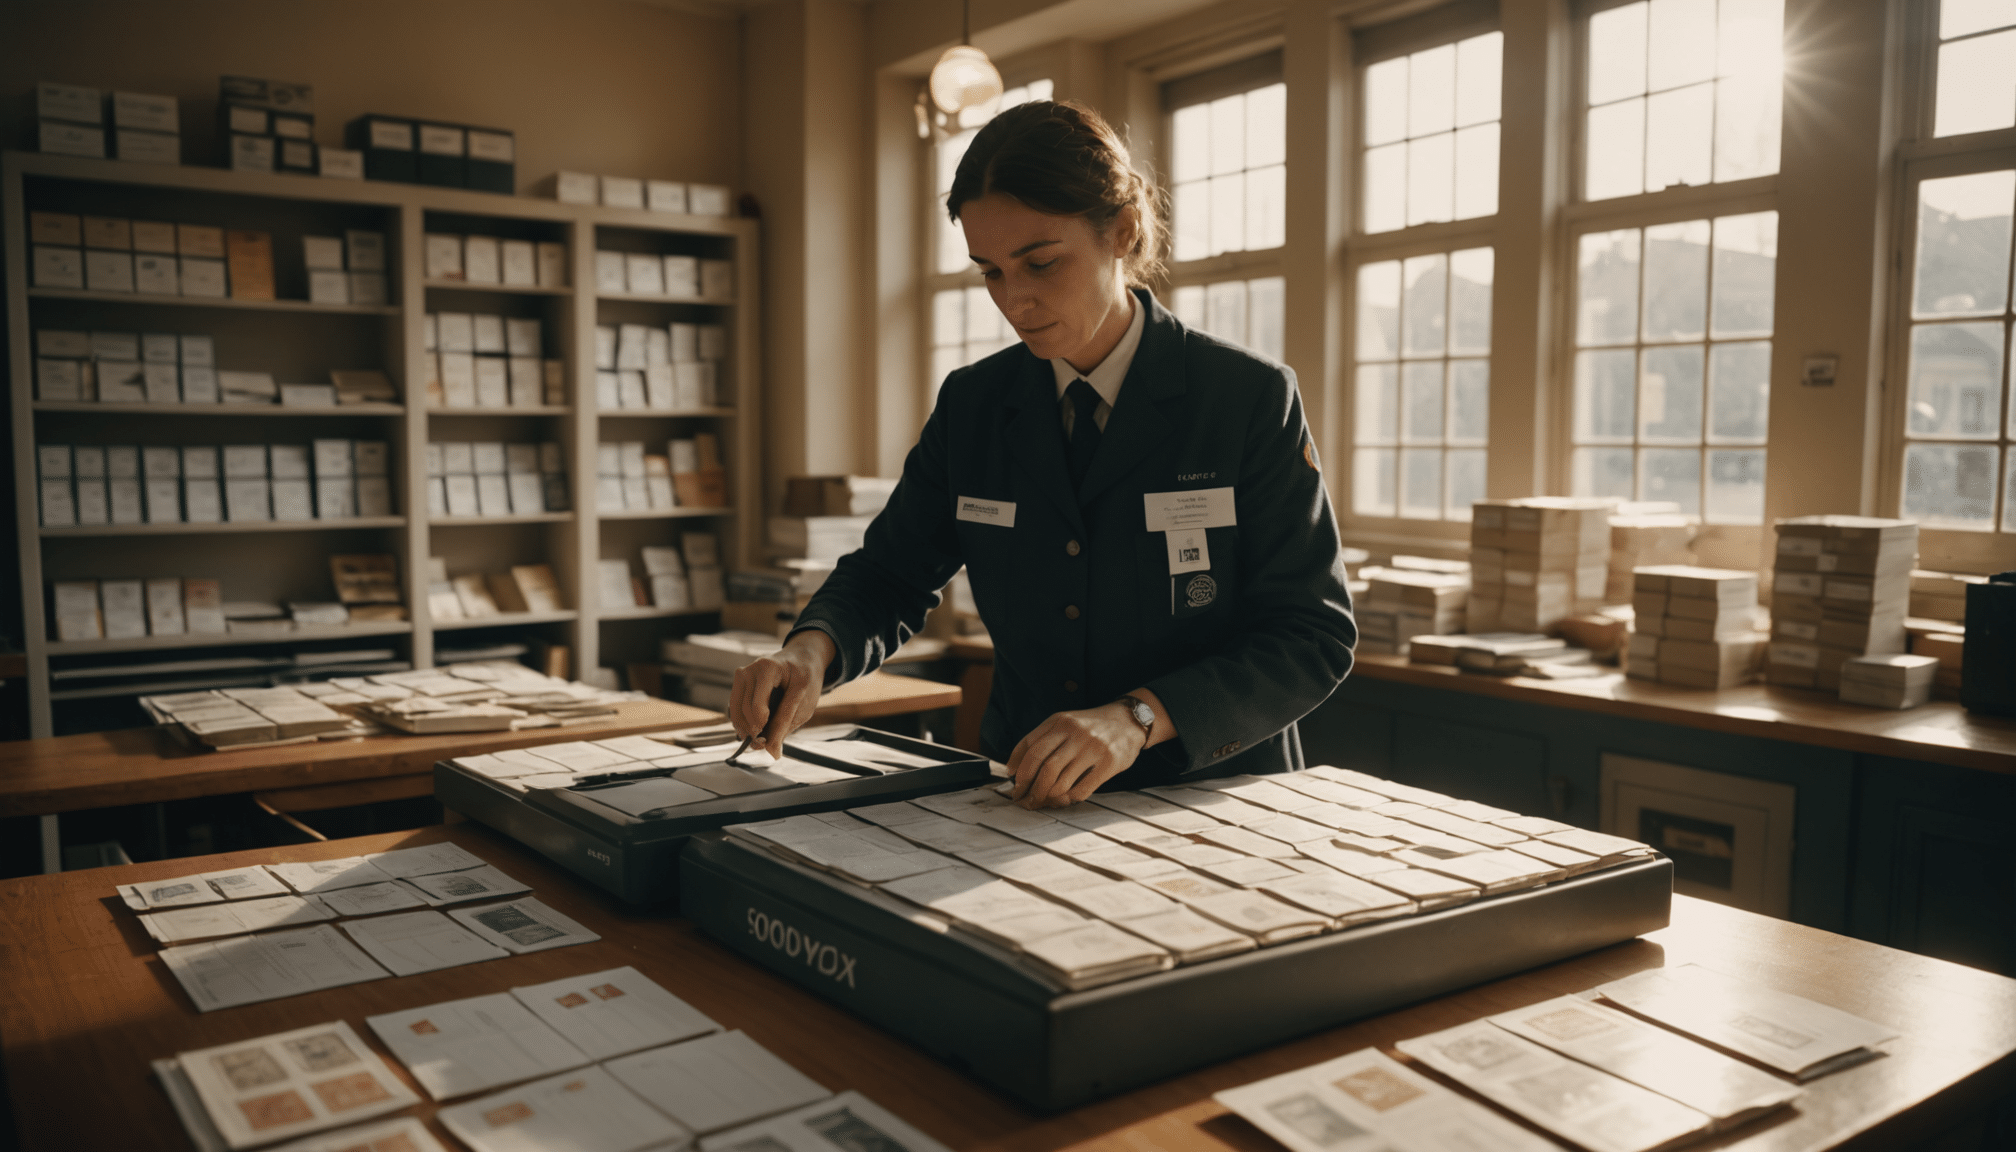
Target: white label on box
(108, 271)
(124, 495)
(156, 275)
(664, 196)
(163, 383)
(93, 503)
(391, 135)
(198, 352)
(335, 498)
(72, 139)
(59, 380)
(293, 500)
(707, 200)
(365, 251)
(247, 118)
(324, 253)
(248, 499)
(461, 495)
(645, 274)
(159, 462)
(115, 346)
(328, 287)
(528, 494)
(69, 102)
(164, 607)
(527, 381)
(340, 163)
(482, 261)
(251, 153)
(288, 461)
(520, 263)
(622, 192)
(682, 276)
(610, 272)
(125, 608)
(59, 505)
(199, 462)
(493, 383)
(244, 461)
(140, 110)
(159, 348)
(164, 501)
(147, 147)
(202, 501)
(487, 333)
(458, 458)
(576, 188)
(202, 277)
(456, 331)
(332, 457)
(659, 390)
(441, 140)
(496, 147)
(199, 385)
(630, 389)
(62, 343)
(443, 256)
(87, 460)
(458, 379)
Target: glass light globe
(964, 78)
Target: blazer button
(1070, 685)
(1070, 612)
(1071, 548)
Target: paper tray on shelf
(636, 857)
(978, 1011)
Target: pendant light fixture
(964, 78)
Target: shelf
(530, 410)
(666, 413)
(506, 619)
(511, 289)
(226, 639)
(186, 529)
(212, 302)
(647, 298)
(527, 518)
(654, 613)
(666, 514)
(222, 409)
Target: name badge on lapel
(1000, 513)
(1178, 511)
(1188, 551)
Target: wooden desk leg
(52, 844)
(975, 684)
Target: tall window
(1228, 178)
(1421, 384)
(964, 324)
(1976, 67)
(1673, 363)
(1682, 92)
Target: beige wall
(591, 85)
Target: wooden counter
(1940, 732)
(85, 1005)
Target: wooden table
(84, 1005)
(1940, 732)
(144, 766)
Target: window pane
(1960, 17)
(1477, 172)
(1950, 485)
(1266, 208)
(1752, 35)
(1385, 188)
(1603, 472)
(948, 317)
(1735, 487)
(1421, 483)
(1386, 102)
(1608, 283)
(1479, 65)
(1963, 244)
(1421, 402)
(1669, 396)
(1263, 315)
(1228, 213)
(1746, 274)
(1372, 486)
(1190, 306)
(1617, 53)
(1431, 91)
(1678, 137)
(1379, 310)
(1228, 134)
(943, 362)
(1977, 85)
(1956, 380)
(1430, 179)
(1267, 126)
(1225, 310)
(1748, 115)
(1469, 401)
(1193, 220)
(1466, 482)
(1190, 144)
(1739, 393)
(1684, 32)
(1606, 387)
(2009, 492)
(1470, 300)
(1378, 420)
(1424, 318)
(1671, 474)
(1676, 281)
(1616, 150)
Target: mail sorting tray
(972, 1006)
(616, 837)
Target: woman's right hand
(799, 668)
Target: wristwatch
(1142, 714)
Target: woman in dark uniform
(1138, 506)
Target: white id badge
(1182, 511)
(1000, 513)
(1188, 551)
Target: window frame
(1435, 28)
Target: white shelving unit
(299, 340)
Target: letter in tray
(513, 924)
(1314, 1120)
(846, 1131)
(248, 1068)
(321, 1052)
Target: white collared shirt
(1107, 377)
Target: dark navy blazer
(1078, 594)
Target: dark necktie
(1084, 430)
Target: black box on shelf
(444, 150)
(278, 95)
(493, 161)
(1988, 662)
(389, 147)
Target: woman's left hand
(1071, 754)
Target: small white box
(293, 500)
(62, 343)
(633, 346)
(69, 102)
(308, 395)
(164, 501)
(244, 461)
(86, 460)
(122, 462)
(59, 379)
(461, 491)
(332, 458)
(482, 260)
(335, 497)
(125, 604)
(199, 462)
(115, 346)
(717, 279)
(156, 275)
(252, 153)
(340, 163)
(659, 390)
(636, 494)
(520, 263)
(527, 382)
(59, 503)
(159, 462)
(58, 267)
(199, 385)
(605, 347)
(365, 251)
(322, 253)
(682, 276)
(288, 461)
(52, 461)
(443, 256)
(94, 504)
(665, 195)
(371, 457)
(611, 273)
(374, 496)
(690, 384)
(140, 147)
(164, 607)
(657, 347)
(630, 458)
(493, 495)
(248, 500)
(162, 383)
(121, 382)
(528, 494)
(124, 496)
(72, 139)
(552, 265)
(707, 200)
(493, 382)
(77, 616)
(328, 287)
(159, 348)
(437, 495)
(487, 335)
(645, 274)
(108, 271)
(458, 379)
(487, 458)
(630, 391)
(458, 458)
(522, 337)
(456, 331)
(202, 501)
(683, 342)
(622, 192)
(201, 277)
(367, 288)
(153, 113)
(576, 188)
(605, 390)
(198, 352)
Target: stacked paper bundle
(1642, 541)
(1695, 627)
(1841, 589)
(1946, 643)
(694, 756)
(1136, 882)
(1941, 595)
(1403, 603)
(1892, 681)
(237, 717)
(1536, 560)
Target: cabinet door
(1344, 734)
(1935, 872)
(1489, 765)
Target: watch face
(1143, 715)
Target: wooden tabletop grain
(1941, 732)
(85, 1005)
